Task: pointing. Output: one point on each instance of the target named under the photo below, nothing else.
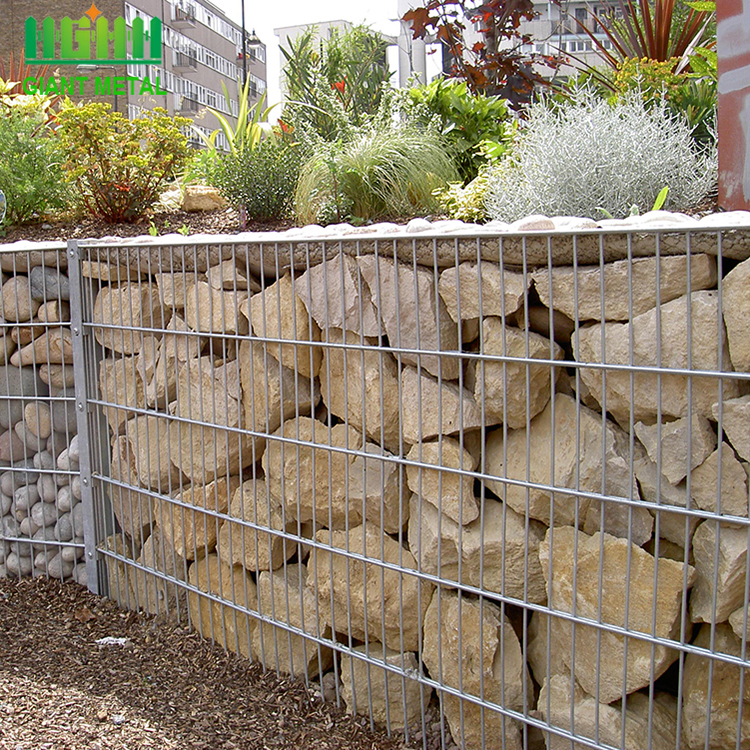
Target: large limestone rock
(120, 575)
(279, 313)
(578, 292)
(735, 421)
(452, 494)
(470, 645)
(363, 598)
(173, 287)
(567, 453)
(708, 489)
(651, 391)
(230, 277)
(715, 690)
(245, 545)
(121, 383)
(511, 389)
(212, 310)
(337, 297)
(271, 392)
(648, 723)
(133, 510)
(193, 533)
(53, 347)
(128, 307)
(184, 343)
(225, 625)
(329, 486)
(210, 394)
(413, 314)
(670, 441)
(421, 419)
(16, 300)
(148, 435)
(472, 290)
(726, 580)
(284, 596)
(362, 387)
(595, 576)
(202, 198)
(545, 661)
(497, 553)
(158, 371)
(391, 699)
(736, 309)
(153, 593)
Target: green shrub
(120, 166)
(384, 172)
(466, 120)
(261, 180)
(30, 165)
(466, 203)
(587, 155)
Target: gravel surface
(165, 688)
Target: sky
(266, 15)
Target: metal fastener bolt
(85, 481)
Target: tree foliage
(491, 65)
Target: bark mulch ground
(166, 689)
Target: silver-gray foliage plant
(586, 155)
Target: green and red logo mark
(77, 40)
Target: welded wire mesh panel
(41, 514)
(490, 491)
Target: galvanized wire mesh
(506, 476)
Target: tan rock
(279, 313)
(362, 386)
(330, 486)
(120, 383)
(594, 576)
(23, 335)
(193, 533)
(451, 493)
(648, 722)
(202, 198)
(568, 454)
(56, 311)
(183, 344)
(413, 314)
(364, 598)
(669, 441)
(470, 645)
(390, 699)
(211, 395)
(245, 545)
(735, 421)
(158, 372)
(226, 626)
(128, 307)
(708, 489)
(715, 689)
(15, 297)
(134, 510)
(502, 291)
(231, 277)
(271, 392)
(672, 344)
(148, 436)
(497, 553)
(212, 310)
(52, 348)
(173, 287)
(551, 324)
(38, 418)
(284, 596)
(120, 576)
(577, 292)
(153, 593)
(727, 580)
(510, 389)
(421, 420)
(337, 297)
(544, 659)
(737, 623)
(111, 272)
(736, 309)
(58, 376)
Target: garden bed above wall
(409, 457)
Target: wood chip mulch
(166, 688)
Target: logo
(91, 33)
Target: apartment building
(201, 50)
